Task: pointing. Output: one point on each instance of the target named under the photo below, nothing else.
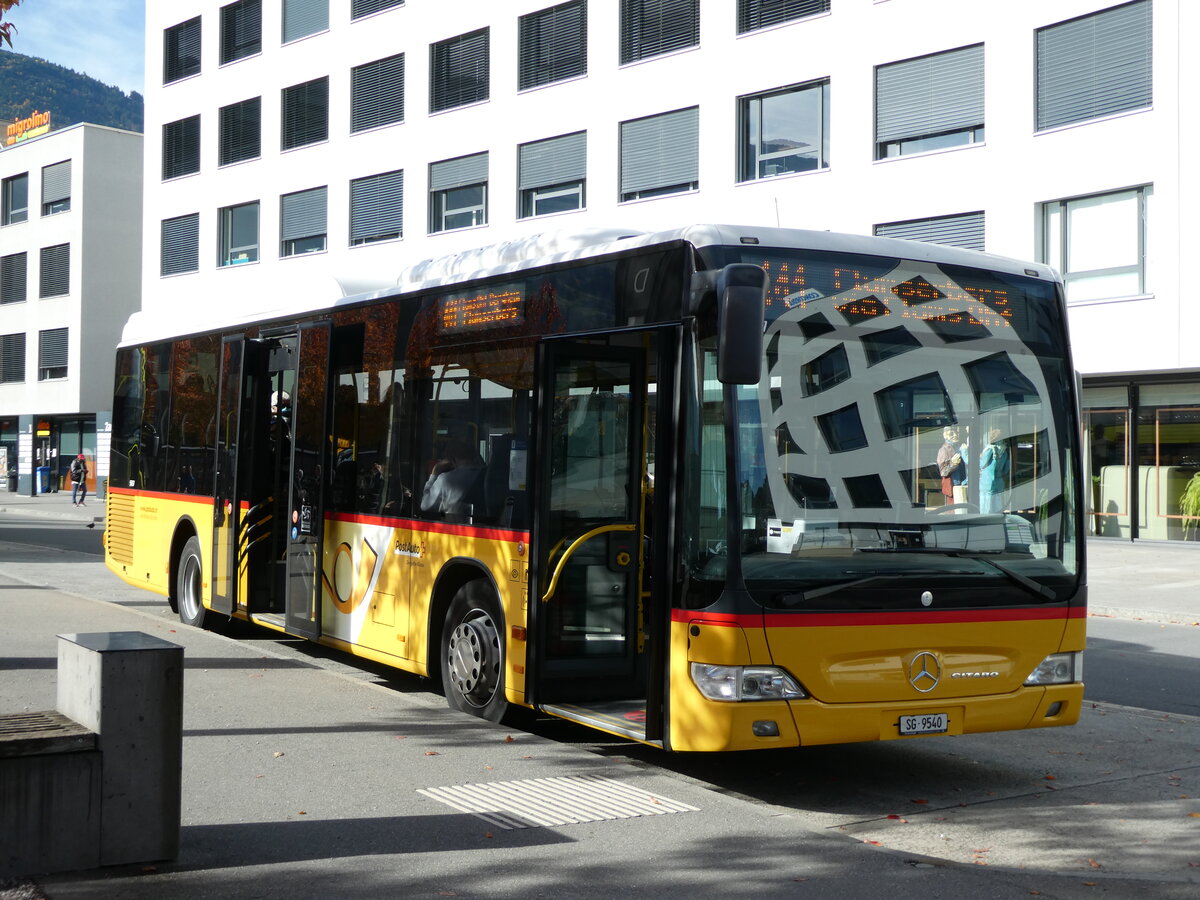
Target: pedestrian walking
(79, 474)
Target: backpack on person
(77, 470)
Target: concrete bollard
(127, 687)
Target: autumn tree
(6, 28)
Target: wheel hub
(474, 657)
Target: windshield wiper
(1034, 587)
(804, 596)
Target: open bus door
(305, 480)
(227, 507)
(598, 638)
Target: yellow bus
(718, 488)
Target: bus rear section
(884, 530)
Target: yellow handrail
(575, 545)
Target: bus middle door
(305, 509)
(590, 466)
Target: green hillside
(29, 84)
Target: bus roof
(555, 248)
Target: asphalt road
(40, 532)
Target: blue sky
(101, 38)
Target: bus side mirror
(741, 309)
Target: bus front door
(589, 621)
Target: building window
(360, 8)
(458, 71)
(653, 27)
(1098, 243)
(13, 269)
(239, 235)
(12, 358)
(304, 17)
(660, 154)
(963, 230)
(929, 103)
(458, 193)
(552, 44)
(240, 137)
(15, 200)
(181, 244)
(56, 188)
(241, 30)
(377, 93)
(52, 354)
(55, 276)
(1096, 65)
(181, 50)
(305, 118)
(784, 131)
(302, 222)
(553, 174)
(755, 14)
(377, 208)
(181, 148)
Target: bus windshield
(913, 419)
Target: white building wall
(1007, 176)
(102, 228)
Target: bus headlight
(1057, 668)
(734, 683)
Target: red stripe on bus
(475, 531)
(913, 617)
(162, 495)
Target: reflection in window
(867, 492)
(957, 326)
(843, 429)
(997, 383)
(828, 369)
(912, 405)
(883, 345)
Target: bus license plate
(929, 723)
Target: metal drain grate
(560, 800)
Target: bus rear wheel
(472, 659)
(189, 582)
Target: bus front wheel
(473, 653)
(189, 585)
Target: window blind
(302, 214)
(660, 151)
(360, 8)
(653, 27)
(241, 30)
(56, 182)
(963, 230)
(240, 137)
(460, 172)
(181, 147)
(12, 358)
(929, 95)
(55, 275)
(52, 348)
(552, 44)
(13, 272)
(755, 14)
(181, 50)
(554, 161)
(1096, 65)
(459, 71)
(377, 93)
(304, 17)
(181, 244)
(305, 118)
(377, 207)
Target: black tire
(189, 590)
(472, 659)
